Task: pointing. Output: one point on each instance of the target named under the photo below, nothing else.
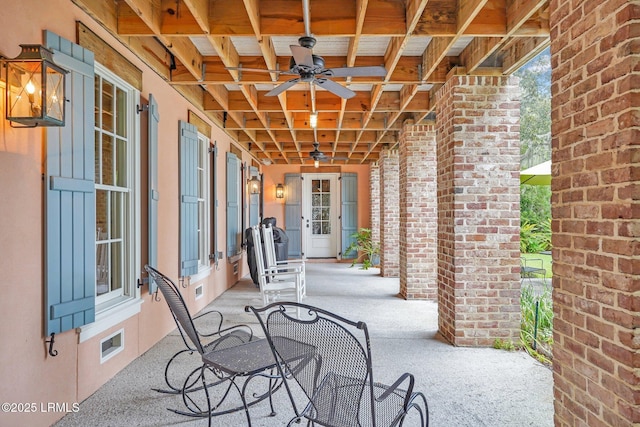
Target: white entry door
(320, 206)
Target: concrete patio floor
(464, 386)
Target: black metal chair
(234, 354)
(218, 339)
(336, 377)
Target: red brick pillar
(479, 210)
(596, 212)
(389, 214)
(418, 212)
(374, 194)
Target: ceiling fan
(318, 156)
(310, 69)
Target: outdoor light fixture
(254, 185)
(279, 191)
(313, 119)
(316, 163)
(35, 88)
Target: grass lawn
(546, 261)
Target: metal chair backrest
(340, 361)
(177, 306)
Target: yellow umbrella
(537, 175)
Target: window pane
(325, 186)
(317, 228)
(116, 265)
(98, 162)
(102, 268)
(121, 163)
(116, 215)
(107, 160)
(326, 200)
(98, 81)
(101, 215)
(121, 112)
(107, 106)
(315, 200)
(315, 186)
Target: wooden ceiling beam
(200, 11)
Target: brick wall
(596, 212)
(418, 212)
(389, 214)
(478, 209)
(374, 195)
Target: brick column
(418, 212)
(389, 214)
(479, 210)
(596, 212)
(374, 195)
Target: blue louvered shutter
(254, 201)
(293, 213)
(233, 204)
(154, 195)
(188, 199)
(70, 215)
(349, 211)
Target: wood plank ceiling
(419, 42)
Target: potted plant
(364, 247)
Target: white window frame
(204, 208)
(111, 311)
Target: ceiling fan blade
(335, 88)
(373, 71)
(302, 55)
(281, 88)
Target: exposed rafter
(192, 43)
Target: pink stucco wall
(27, 373)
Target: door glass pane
(315, 186)
(325, 186)
(317, 228)
(326, 228)
(316, 214)
(324, 214)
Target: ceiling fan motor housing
(318, 65)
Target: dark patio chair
(234, 354)
(337, 377)
(530, 267)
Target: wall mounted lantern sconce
(279, 191)
(35, 88)
(254, 185)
